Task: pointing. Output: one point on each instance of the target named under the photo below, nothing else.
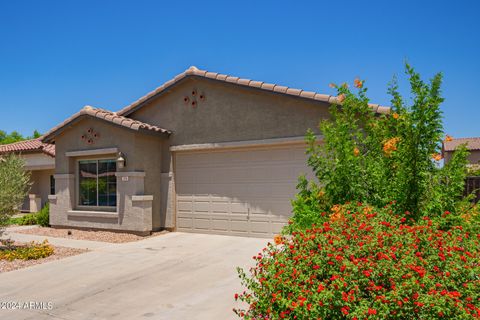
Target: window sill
(95, 214)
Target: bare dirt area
(59, 253)
(92, 235)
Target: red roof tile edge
(194, 71)
(108, 116)
(472, 143)
(33, 145)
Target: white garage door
(244, 192)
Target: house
(39, 159)
(472, 144)
(204, 152)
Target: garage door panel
(238, 207)
(184, 222)
(239, 226)
(201, 206)
(220, 224)
(261, 227)
(185, 206)
(240, 192)
(202, 223)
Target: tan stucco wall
(142, 153)
(41, 184)
(473, 157)
(230, 113)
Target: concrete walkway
(63, 242)
(173, 276)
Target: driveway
(172, 276)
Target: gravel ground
(93, 235)
(59, 253)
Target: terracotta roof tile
(33, 145)
(105, 115)
(193, 71)
(472, 143)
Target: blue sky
(57, 56)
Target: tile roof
(472, 143)
(33, 145)
(108, 116)
(195, 72)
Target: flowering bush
(380, 158)
(363, 263)
(32, 251)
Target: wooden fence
(472, 184)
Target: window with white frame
(97, 183)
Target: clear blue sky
(57, 56)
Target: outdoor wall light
(121, 161)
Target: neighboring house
(473, 146)
(205, 152)
(39, 158)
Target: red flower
(345, 310)
(372, 311)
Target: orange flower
(395, 115)
(278, 239)
(336, 209)
(448, 138)
(356, 152)
(321, 193)
(345, 85)
(390, 145)
(367, 210)
(332, 85)
(437, 156)
(340, 98)
(358, 83)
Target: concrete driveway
(173, 276)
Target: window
(52, 185)
(97, 183)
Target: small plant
(28, 220)
(366, 263)
(33, 251)
(43, 216)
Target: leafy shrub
(366, 263)
(43, 216)
(380, 158)
(28, 220)
(33, 251)
(16, 220)
(14, 186)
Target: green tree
(378, 159)
(15, 136)
(14, 186)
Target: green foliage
(28, 220)
(33, 251)
(14, 186)
(14, 136)
(43, 216)
(379, 159)
(364, 263)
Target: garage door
(243, 192)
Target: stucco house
(204, 152)
(473, 146)
(39, 158)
